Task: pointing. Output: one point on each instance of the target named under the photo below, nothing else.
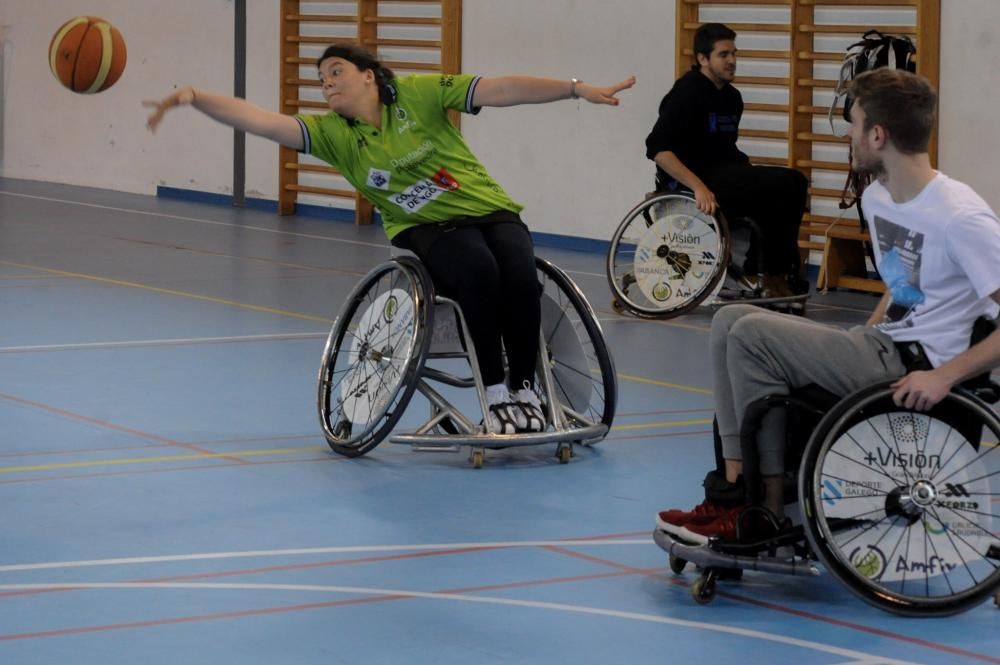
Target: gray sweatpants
(757, 353)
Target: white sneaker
(531, 407)
(503, 415)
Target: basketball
(87, 54)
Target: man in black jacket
(694, 146)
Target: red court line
(320, 564)
(621, 570)
(798, 613)
(207, 465)
(60, 632)
(83, 451)
(105, 424)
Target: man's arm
(922, 390)
(514, 90)
(674, 167)
(233, 111)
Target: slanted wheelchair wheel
(900, 504)
(374, 353)
(666, 256)
(583, 372)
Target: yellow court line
(672, 423)
(172, 292)
(163, 458)
(664, 384)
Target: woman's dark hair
(362, 59)
(706, 36)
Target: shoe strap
(502, 412)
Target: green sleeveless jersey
(416, 168)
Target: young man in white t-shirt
(937, 246)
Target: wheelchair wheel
(374, 353)
(667, 256)
(899, 504)
(583, 372)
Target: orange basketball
(87, 54)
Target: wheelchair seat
(394, 337)
(667, 257)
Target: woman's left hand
(603, 95)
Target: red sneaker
(703, 513)
(722, 527)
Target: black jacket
(700, 124)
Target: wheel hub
(923, 493)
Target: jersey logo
(405, 124)
(420, 193)
(378, 179)
(445, 180)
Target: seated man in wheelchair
(937, 246)
(693, 144)
(392, 140)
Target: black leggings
(775, 197)
(488, 267)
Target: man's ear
(879, 137)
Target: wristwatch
(572, 88)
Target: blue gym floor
(167, 496)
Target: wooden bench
(844, 265)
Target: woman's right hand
(184, 96)
(705, 199)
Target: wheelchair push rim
(373, 355)
(577, 360)
(899, 503)
(666, 256)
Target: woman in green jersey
(392, 140)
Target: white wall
(969, 144)
(576, 167)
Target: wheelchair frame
(943, 509)
(681, 259)
(385, 366)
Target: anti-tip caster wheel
(477, 458)
(617, 306)
(703, 590)
(677, 564)
(564, 454)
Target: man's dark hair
(705, 38)
(903, 103)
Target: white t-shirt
(939, 256)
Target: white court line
(315, 550)
(488, 600)
(160, 342)
(198, 220)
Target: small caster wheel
(477, 459)
(564, 454)
(617, 305)
(703, 590)
(677, 564)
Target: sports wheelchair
(392, 327)
(667, 257)
(899, 505)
